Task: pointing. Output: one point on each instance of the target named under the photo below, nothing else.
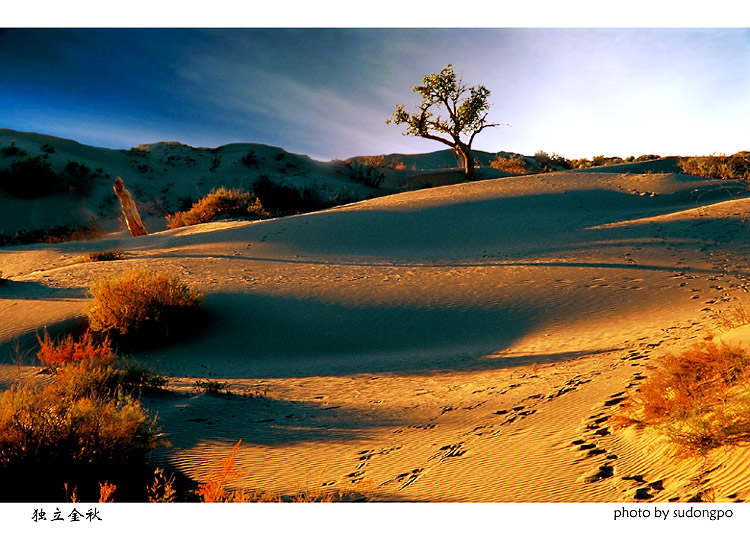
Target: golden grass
(215, 488)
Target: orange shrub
(68, 350)
(700, 399)
(219, 202)
(141, 301)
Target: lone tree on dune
(467, 114)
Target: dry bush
(699, 399)
(68, 350)
(87, 368)
(48, 437)
(103, 256)
(141, 302)
(220, 202)
(515, 164)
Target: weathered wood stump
(129, 210)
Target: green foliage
(735, 167)
(220, 202)
(552, 162)
(444, 93)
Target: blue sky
(328, 92)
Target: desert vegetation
(53, 234)
(103, 256)
(142, 303)
(466, 114)
(734, 167)
(220, 202)
(699, 399)
(515, 164)
(75, 431)
(33, 177)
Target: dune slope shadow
(253, 335)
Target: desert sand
(469, 342)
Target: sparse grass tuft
(141, 302)
(103, 256)
(215, 488)
(213, 387)
(735, 317)
(699, 399)
(162, 488)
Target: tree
(467, 110)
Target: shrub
(29, 178)
(50, 435)
(515, 164)
(280, 199)
(735, 167)
(52, 235)
(363, 174)
(141, 302)
(97, 370)
(250, 159)
(699, 399)
(77, 178)
(69, 350)
(552, 162)
(221, 202)
(12, 150)
(103, 256)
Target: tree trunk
(129, 210)
(464, 152)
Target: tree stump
(129, 210)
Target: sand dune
(470, 342)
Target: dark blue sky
(327, 93)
